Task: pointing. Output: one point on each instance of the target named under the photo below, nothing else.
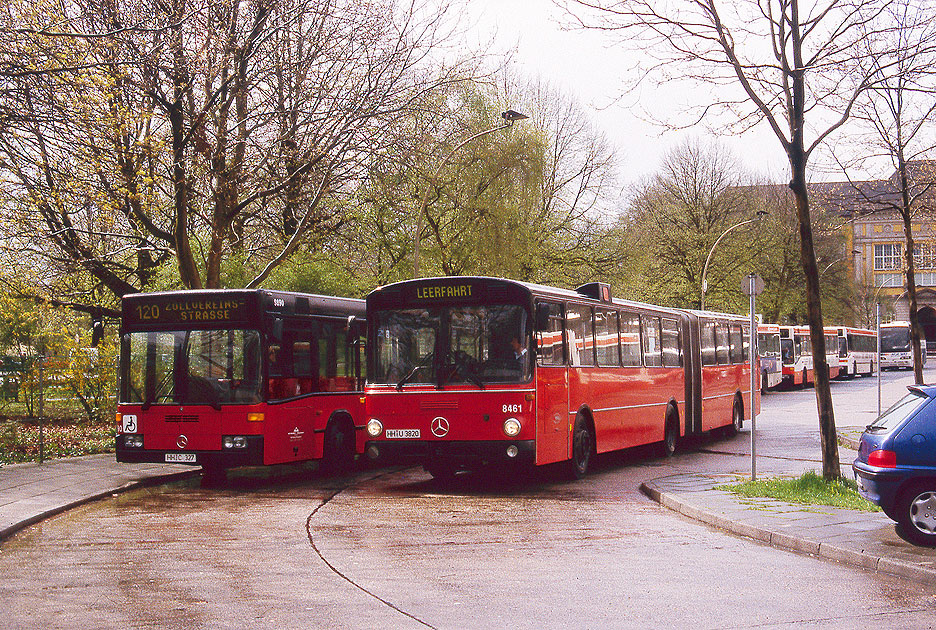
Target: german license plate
(180, 458)
(406, 434)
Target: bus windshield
(895, 339)
(768, 345)
(192, 367)
(452, 344)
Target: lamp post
(510, 116)
(708, 258)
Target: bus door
(552, 386)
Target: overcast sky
(586, 68)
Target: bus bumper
(460, 453)
(250, 455)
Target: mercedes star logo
(440, 427)
(181, 441)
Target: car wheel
(917, 513)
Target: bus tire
(338, 450)
(737, 418)
(583, 446)
(670, 434)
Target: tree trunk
(905, 209)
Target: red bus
(469, 371)
(225, 378)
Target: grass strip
(808, 489)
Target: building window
(924, 255)
(888, 279)
(887, 256)
(925, 279)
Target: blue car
(896, 464)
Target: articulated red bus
(467, 371)
(224, 378)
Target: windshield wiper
(462, 365)
(426, 360)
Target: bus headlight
(374, 428)
(133, 441)
(234, 441)
(511, 427)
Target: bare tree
(899, 111)
(771, 61)
(682, 211)
(218, 135)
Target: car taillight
(883, 459)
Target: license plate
(408, 434)
(180, 458)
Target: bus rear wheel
(737, 419)
(670, 435)
(583, 445)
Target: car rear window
(903, 408)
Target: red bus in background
(857, 348)
(225, 378)
(469, 371)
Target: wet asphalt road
(393, 549)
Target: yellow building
(875, 243)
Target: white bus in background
(768, 351)
(896, 350)
(796, 355)
(856, 350)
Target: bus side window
(672, 352)
(721, 344)
(579, 327)
(606, 337)
(736, 343)
(708, 343)
(549, 346)
(630, 339)
(282, 376)
(652, 347)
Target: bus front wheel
(338, 451)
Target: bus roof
(458, 289)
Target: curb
(787, 542)
(155, 480)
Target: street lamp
(757, 217)
(510, 117)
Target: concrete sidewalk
(864, 539)
(32, 492)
